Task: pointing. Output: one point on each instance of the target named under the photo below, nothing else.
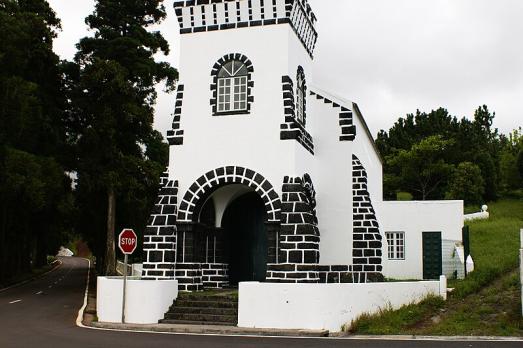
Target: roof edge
(355, 108)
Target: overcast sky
(390, 56)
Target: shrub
(466, 183)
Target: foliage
(466, 183)
(520, 166)
(36, 204)
(494, 245)
(422, 169)
(511, 177)
(389, 321)
(469, 141)
(112, 87)
(404, 196)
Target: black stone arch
(250, 83)
(300, 75)
(206, 184)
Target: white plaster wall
(414, 218)
(323, 306)
(253, 140)
(364, 149)
(146, 300)
(332, 177)
(334, 180)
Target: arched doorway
(228, 225)
(245, 233)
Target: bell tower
(239, 127)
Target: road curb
(434, 338)
(209, 330)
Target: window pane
(396, 245)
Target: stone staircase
(204, 308)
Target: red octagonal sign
(127, 241)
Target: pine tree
(35, 192)
(113, 101)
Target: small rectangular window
(396, 245)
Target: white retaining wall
(484, 215)
(146, 300)
(324, 306)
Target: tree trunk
(110, 253)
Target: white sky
(390, 57)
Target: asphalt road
(43, 313)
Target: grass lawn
(488, 302)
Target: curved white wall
(146, 300)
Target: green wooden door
(244, 224)
(432, 258)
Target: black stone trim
(367, 239)
(159, 244)
(299, 239)
(292, 129)
(175, 135)
(348, 129)
(214, 85)
(218, 177)
(298, 14)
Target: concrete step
(188, 322)
(209, 298)
(204, 310)
(206, 318)
(215, 304)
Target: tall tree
(520, 167)
(35, 191)
(113, 103)
(423, 169)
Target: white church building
(273, 179)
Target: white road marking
(15, 301)
(39, 293)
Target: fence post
(465, 235)
(443, 287)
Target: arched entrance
(246, 235)
(227, 229)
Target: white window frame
(395, 245)
(232, 90)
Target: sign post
(127, 242)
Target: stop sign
(127, 241)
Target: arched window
(232, 85)
(301, 89)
